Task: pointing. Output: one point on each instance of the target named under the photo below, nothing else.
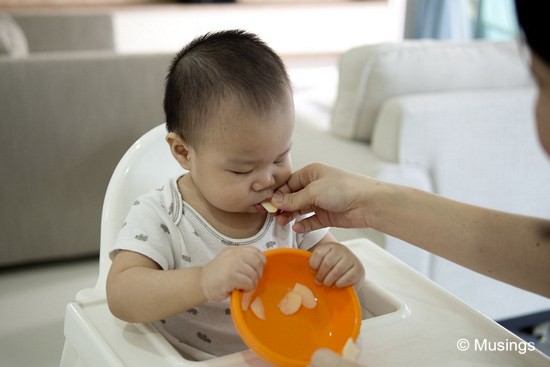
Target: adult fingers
(308, 224)
(297, 194)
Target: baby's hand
(233, 268)
(336, 265)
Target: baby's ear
(180, 149)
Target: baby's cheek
(230, 199)
(283, 175)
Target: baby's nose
(263, 182)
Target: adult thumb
(289, 202)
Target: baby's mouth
(268, 207)
(260, 208)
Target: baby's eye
(240, 172)
(283, 158)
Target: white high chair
(94, 337)
(146, 164)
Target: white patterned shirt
(163, 227)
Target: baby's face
(243, 160)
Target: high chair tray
(406, 318)
(112, 342)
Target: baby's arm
(138, 290)
(335, 264)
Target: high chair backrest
(146, 165)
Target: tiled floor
(32, 306)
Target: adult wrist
(375, 198)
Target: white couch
(452, 118)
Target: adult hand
(338, 198)
(327, 358)
(233, 268)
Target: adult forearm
(512, 248)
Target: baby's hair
(228, 66)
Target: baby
(186, 246)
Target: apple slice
(257, 308)
(290, 304)
(245, 300)
(350, 351)
(308, 298)
(269, 207)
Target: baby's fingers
(329, 264)
(334, 272)
(253, 262)
(336, 266)
(253, 256)
(354, 276)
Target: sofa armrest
(485, 140)
(391, 70)
(67, 119)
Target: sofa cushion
(369, 75)
(12, 40)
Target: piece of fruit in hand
(269, 207)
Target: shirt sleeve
(147, 232)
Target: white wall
(289, 28)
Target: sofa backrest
(66, 118)
(369, 75)
(66, 31)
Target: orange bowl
(291, 340)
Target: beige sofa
(69, 108)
